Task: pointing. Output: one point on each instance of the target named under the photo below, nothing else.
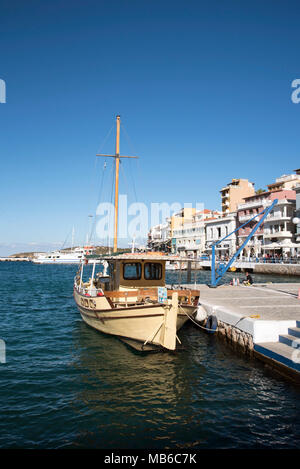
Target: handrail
(149, 292)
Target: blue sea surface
(65, 385)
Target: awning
(217, 249)
(272, 246)
(281, 246)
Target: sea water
(65, 385)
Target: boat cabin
(136, 273)
(130, 278)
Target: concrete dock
(263, 318)
(272, 268)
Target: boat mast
(117, 157)
(117, 160)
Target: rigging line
(65, 240)
(99, 198)
(133, 183)
(102, 145)
(130, 163)
(105, 139)
(128, 139)
(111, 198)
(100, 193)
(125, 179)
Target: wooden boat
(132, 301)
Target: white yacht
(73, 256)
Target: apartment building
(286, 181)
(234, 193)
(188, 239)
(219, 228)
(297, 213)
(277, 234)
(159, 237)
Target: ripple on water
(65, 385)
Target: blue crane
(217, 274)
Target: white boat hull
(143, 323)
(58, 261)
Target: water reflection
(66, 385)
(157, 379)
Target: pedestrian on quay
(248, 280)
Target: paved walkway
(274, 301)
(269, 312)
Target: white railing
(246, 217)
(255, 203)
(278, 234)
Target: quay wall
(236, 337)
(259, 268)
(280, 269)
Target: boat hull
(142, 323)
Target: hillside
(100, 250)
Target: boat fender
(201, 314)
(211, 324)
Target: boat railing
(142, 295)
(139, 295)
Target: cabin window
(132, 271)
(152, 271)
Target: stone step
(294, 331)
(290, 340)
(280, 352)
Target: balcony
(278, 234)
(258, 203)
(274, 218)
(244, 218)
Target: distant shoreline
(28, 255)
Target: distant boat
(73, 256)
(172, 265)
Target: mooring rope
(201, 327)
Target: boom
(215, 279)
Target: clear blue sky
(203, 90)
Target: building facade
(159, 237)
(234, 193)
(218, 229)
(297, 213)
(276, 236)
(188, 239)
(286, 181)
